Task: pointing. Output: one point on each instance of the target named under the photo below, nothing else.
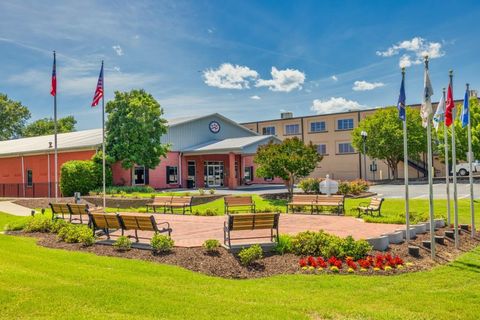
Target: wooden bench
(126, 221)
(243, 201)
(375, 205)
(142, 222)
(104, 221)
(159, 202)
(183, 202)
(250, 221)
(334, 200)
(74, 211)
(302, 200)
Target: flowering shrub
(354, 187)
(377, 263)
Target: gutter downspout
(23, 177)
(180, 176)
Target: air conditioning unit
(286, 115)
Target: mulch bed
(226, 265)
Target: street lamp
(364, 135)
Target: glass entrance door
(213, 174)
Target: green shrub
(69, 233)
(284, 244)
(212, 191)
(123, 243)
(79, 176)
(161, 243)
(343, 187)
(326, 245)
(310, 185)
(85, 236)
(126, 189)
(57, 225)
(249, 255)
(309, 243)
(17, 225)
(201, 191)
(38, 223)
(211, 245)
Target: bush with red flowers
(378, 262)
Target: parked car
(463, 168)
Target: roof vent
(286, 115)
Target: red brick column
(232, 181)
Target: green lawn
(36, 282)
(393, 210)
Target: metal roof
(86, 139)
(229, 145)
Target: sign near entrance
(214, 126)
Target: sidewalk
(14, 209)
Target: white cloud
(334, 105)
(334, 78)
(283, 80)
(255, 97)
(118, 50)
(229, 76)
(366, 86)
(414, 51)
(116, 69)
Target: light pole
(364, 139)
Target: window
(139, 175)
(248, 174)
(317, 126)
(172, 175)
(322, 149)
(29, 178)
(268, 131)
(345, 148)
(292, 129)
(344, 124)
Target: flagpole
(55, 131)
(454, 167)
(470, 165)
(405, 168)
(430, 172)
(103, 136)
(447, 169)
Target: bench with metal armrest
(375, 205)
(250, 221)
(239, 201)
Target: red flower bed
(380, 261)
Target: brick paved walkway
(192, 231)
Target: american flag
(53, 90)
(99, 90)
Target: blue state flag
(465, 113)
(401, 101)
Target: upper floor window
(292, 129)
(322, 149)
(344, 124)
(317, 126)
(345, 148)
(268, 131)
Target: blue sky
(248, 60)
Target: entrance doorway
(213, 174)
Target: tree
(13, 116)
(385, 136)
(46, 126)
(289, 160)
(461, 138)
(134, 128)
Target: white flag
(426, 111)
(439, 114)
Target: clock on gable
(214, 126)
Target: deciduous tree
(13, 116)
(385, 136)
(46, 126)
(289, 160)
(134, 128)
